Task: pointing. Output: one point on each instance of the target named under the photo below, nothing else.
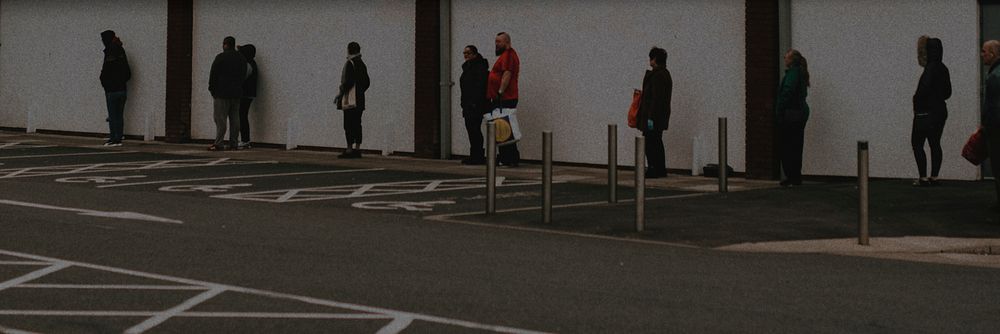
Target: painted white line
(58, 313)
(309, 300)
(97, 179)
(272, 315)
(122, 166)
(94, 213)
(63, 155)
(397, 325)
(371, 190)
(242, 177)
(7, 330)
(33, 275)
(110, 287)
(166, 315)
(23, 263)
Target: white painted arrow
(94, 213)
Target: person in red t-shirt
(501, 90)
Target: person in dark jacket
(249, 93)
(792, 113)
(225, 82)
(115, 73)
(991, 110)
(654, 111)
(354, 77)
(929, 108)
(475, 72)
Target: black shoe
(785, 183)
(347, 155)
(921, 183)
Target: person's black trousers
(993, 143)
(792, 137)
(925, 128)
(509, 155)
(656, 158)
(244, 122)
(473, 126)
(352, 126)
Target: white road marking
(215, 188)
(242, 177)
(97, 179)
(23, 263)
(166, 315)
(397, 325)
(64, 155)
(371, 190)
(122, 166)
(10, 145)
(391, 205)
(369, 312)
(32, 275)
(94, 213)
(7, 330)
(255, 315)
(109, 287)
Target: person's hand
(649, 124)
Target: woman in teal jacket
(792, 112)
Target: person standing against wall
(991, 110)
(654, 111)
(792, 112)
(115, 73)
(473, 82)
(225, 82)
(354, 82)
(929, 108)
(249, 93)
(502, 90)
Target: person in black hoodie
(354, 77)
(475, 72)
(249, 93)
(654, 111)
(225, 82)
(929, 108)
(115, 73)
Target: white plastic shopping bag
(507, 129)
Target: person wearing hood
(792, 113)
(115, 73)
(929, 108)
(354, 82)
(249, 93)
(654, 111)
(475, 73)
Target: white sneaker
(113, 144)
(243, 145)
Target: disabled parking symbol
(396, 205)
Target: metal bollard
(612, 163)
(491, 168)
(723, 157)
(640, 183)
(863, 193)
(547, 177)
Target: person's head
(990, 52)
(502, 43)
(248, 51)
(470, 52)
(228, 43)
(657, 57)
(107, 37)
(794, 58)
(353, 48)
(922, 50)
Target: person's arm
(503, 84)
(992, 107)
(127, 69)
(347, 79)
(787, 89)
(213, 76)
(946, 81)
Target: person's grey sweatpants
(227, 108)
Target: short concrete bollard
(547, 177)
(640, 183)
(491, 168)
(863, 193)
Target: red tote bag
(633, 111)
(975, 148)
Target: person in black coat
(354, 77)
(475, 73)
(249, 93)
(115, 73)
(225, 82)
(654, 111)
(929, 108)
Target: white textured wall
(51, 60)
(862, 58)
(580, 61)
(301, 50)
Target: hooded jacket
(115, 72)
(250, 84)
(355, 74)
(934, 86)
(475, 73)
(229, 70)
